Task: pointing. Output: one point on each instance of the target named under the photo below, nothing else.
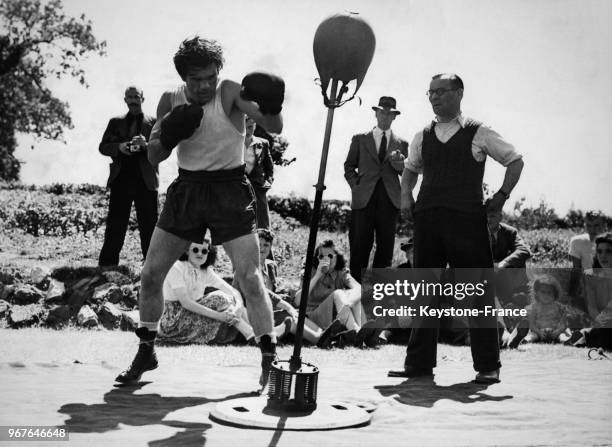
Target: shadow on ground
(122, 406)
(424, 392)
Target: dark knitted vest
(451, 176)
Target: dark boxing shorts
(222, 201)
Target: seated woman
(335, 294)
(598, 288)
(284, 311)
(191, 315)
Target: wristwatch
(503, 193)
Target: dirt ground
(548, 395)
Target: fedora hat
(387, 103)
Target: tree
(278, 146)
(37, 41)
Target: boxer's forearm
(156, 153)
(272, 123)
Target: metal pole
(296, 361)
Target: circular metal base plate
(251, 412)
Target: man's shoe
(577, 339)
(266, 366)
(268, 355)
(346, 338)
(328, 334)
(487, 377)
(367, 331)
(411, 372)
(145, 360)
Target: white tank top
(216, 144)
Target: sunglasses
(197, 250)
(330, 256)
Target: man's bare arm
(156, 153)
(511, 178)
(512, 175)
(409, 181)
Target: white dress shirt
(485, 142)
(378, 133)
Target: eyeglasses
(330, 256)
(438, 91)
(197, 250)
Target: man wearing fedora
(372, 169)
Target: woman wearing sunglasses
(334, 294)
(191, 315)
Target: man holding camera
(132, 179)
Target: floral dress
(181, 326)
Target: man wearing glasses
(450, 219)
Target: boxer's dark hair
(456, 81)
(198, 53)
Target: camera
(133, 147)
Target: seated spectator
(193, 313)
(598, 285)
(282, 309)
(510, 255)
(598, 288)
(260, 171)
(547, 317)
(334, 293)
(582, 253)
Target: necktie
(382, 151)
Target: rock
(115, 277)
(26, 294)
(23, 316)
(81, 291)
(130, 296)
(87, 317)
(109, 316)
(9, 275)
(55, 292)
(129, 320)
(7, 292)
(107, 292)
(4, 308)
(58, 315)
(40, 276)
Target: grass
(24, 251)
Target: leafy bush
(549, 248)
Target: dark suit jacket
(362, 169)
(117, 132)
(510, 248)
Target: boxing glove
(179, 124)
(266, 89)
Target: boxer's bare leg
(244, 253)
(164, 250)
